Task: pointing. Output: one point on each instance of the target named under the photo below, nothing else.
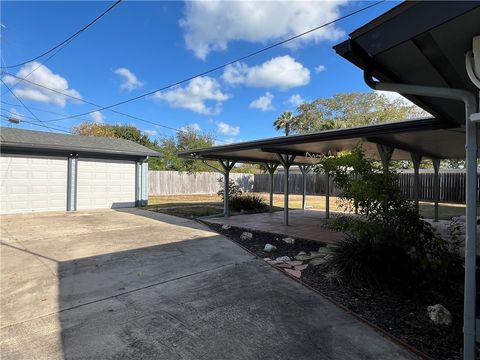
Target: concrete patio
(305, 224)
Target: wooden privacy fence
(452, 185)
(183, 183)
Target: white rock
(289, 240)
(226, 226)
(439, 315)
(269, 248)
(246, 236)
(283, 258)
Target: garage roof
(428, 137)
(28, 140)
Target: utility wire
(34, 124)
(26, 108)
(67, 40)
(228, 63)
(109, 109)
(58, 48)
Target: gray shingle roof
(28, 139)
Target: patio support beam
(327, 195)
(385, 152)
(436, 186)
(226, 165)
(271, 167)
(416, 159)
(305, 169)
(286, 161)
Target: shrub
(247, 202)
(387, 242)
(233, 189)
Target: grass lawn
(182, 205)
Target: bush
(387, 242)
(233, 189)
(247, 202)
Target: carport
(430, 53)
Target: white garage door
(32, 183)
(105, 184)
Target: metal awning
(427, 137)
(422, 43)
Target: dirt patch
(403, 315)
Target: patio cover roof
(428, 137)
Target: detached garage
(41, 171)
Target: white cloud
(211, 25)
(41, 75)
(283, 72)
(15, 114)
(320, 68)
(227, 141)
(129, 80)
(194, 126)
(263, 103)
(150, 132)
(296, 100)
(194, 95)
(97, 117)
(227, 129)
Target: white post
(327, 196)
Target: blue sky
(141, 46)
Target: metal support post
(436, 186)
(416, 159)
(271, 167)
(385, 153)
(286, 161)
(327, 195)
(227, 166)
(305, 169)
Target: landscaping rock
(301, 267)
(289, 240)
(302, 257)
(269, 248)
(439, 315)
(226, 226)
(295, 273)
(246, 236)
(295, 262)
(283, 258)
(285, 265)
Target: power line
(34, 124)
(228, 63)
(25, 106)
(41, 110)
(67, 40)
(58, 48)
(93, 104)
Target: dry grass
(446, 211)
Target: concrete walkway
(134, 284)
(305, 224)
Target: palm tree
(284, 121)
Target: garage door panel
(105, 184)
(33, 183)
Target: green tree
(351, 109)
(285, 122)
(187, 139)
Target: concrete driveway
(133, 284)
